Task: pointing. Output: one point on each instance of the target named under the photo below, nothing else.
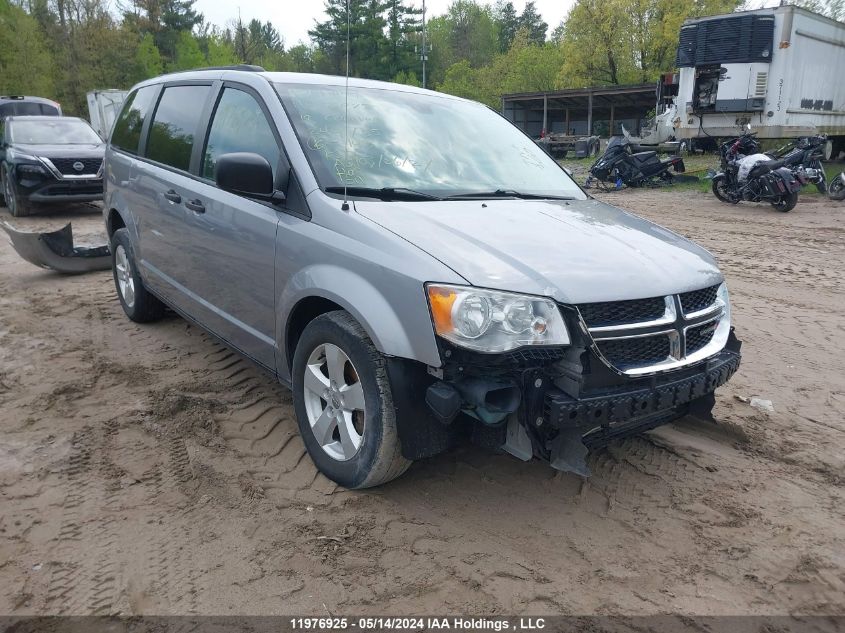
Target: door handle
(173, 196)
(196, 206)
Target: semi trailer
(779, 69)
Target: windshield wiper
(507, 193)
(384, 193)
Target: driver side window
(239, 125)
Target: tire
(786, 203)
(827, 152)
(356, 448)
(718, 186)
(137, 302)
(836, 189)
(821, 185)
(16, 206)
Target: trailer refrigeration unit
(782, 70)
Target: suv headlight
(493, 321)
(27, 169)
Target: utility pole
(424, 55)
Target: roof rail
(245, 67)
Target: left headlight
(493, 321)
(30, 169)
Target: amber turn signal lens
(441, 301)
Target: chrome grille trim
(679, 324)
(58, 174)
(669, 316)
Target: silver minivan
(415, 268)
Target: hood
(62, 151)
(575, 251)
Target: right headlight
(494, 321)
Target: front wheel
(344, 403)
(836, 189)
(16, 205)
(786, 202)
(720, 190)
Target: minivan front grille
(619, 312)
(642, 336)
(699, 336)
(636, 351)
(66, 165)
(698, 299)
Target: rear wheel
(137, 302)
(720, 190)
(344, 403)
(786, 202)
(836, 189)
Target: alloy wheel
(125, 280)
(334, 401)
(9, 195)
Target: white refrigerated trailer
(103, 108)
(781, 69)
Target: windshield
(437, 145)
(53, 132)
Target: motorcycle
(621, 165)
(804, 157)
(836, 188)
(747, 174)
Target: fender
(409, 335)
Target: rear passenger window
(239, 125)
(174, 125)
(126, 133)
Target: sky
(293, 18)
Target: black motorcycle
(620, 165)
(804, 157)
(768, 181)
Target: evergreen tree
(403, 22)
(509, 24)
(533, 23)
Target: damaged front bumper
(552, 404)
(55, 250)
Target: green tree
(403, 23)
(533, 23)
(626, 41)
(147, 58)
(508, 20)
(368, 45)
(187, 54)
(26, 66)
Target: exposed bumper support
(55, 250)
(590, 413)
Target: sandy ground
(149, 470)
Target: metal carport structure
(581, 111)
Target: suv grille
(633, 352)
(698, 299)
(621, 312)
(65, 165)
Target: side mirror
(246, 174)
